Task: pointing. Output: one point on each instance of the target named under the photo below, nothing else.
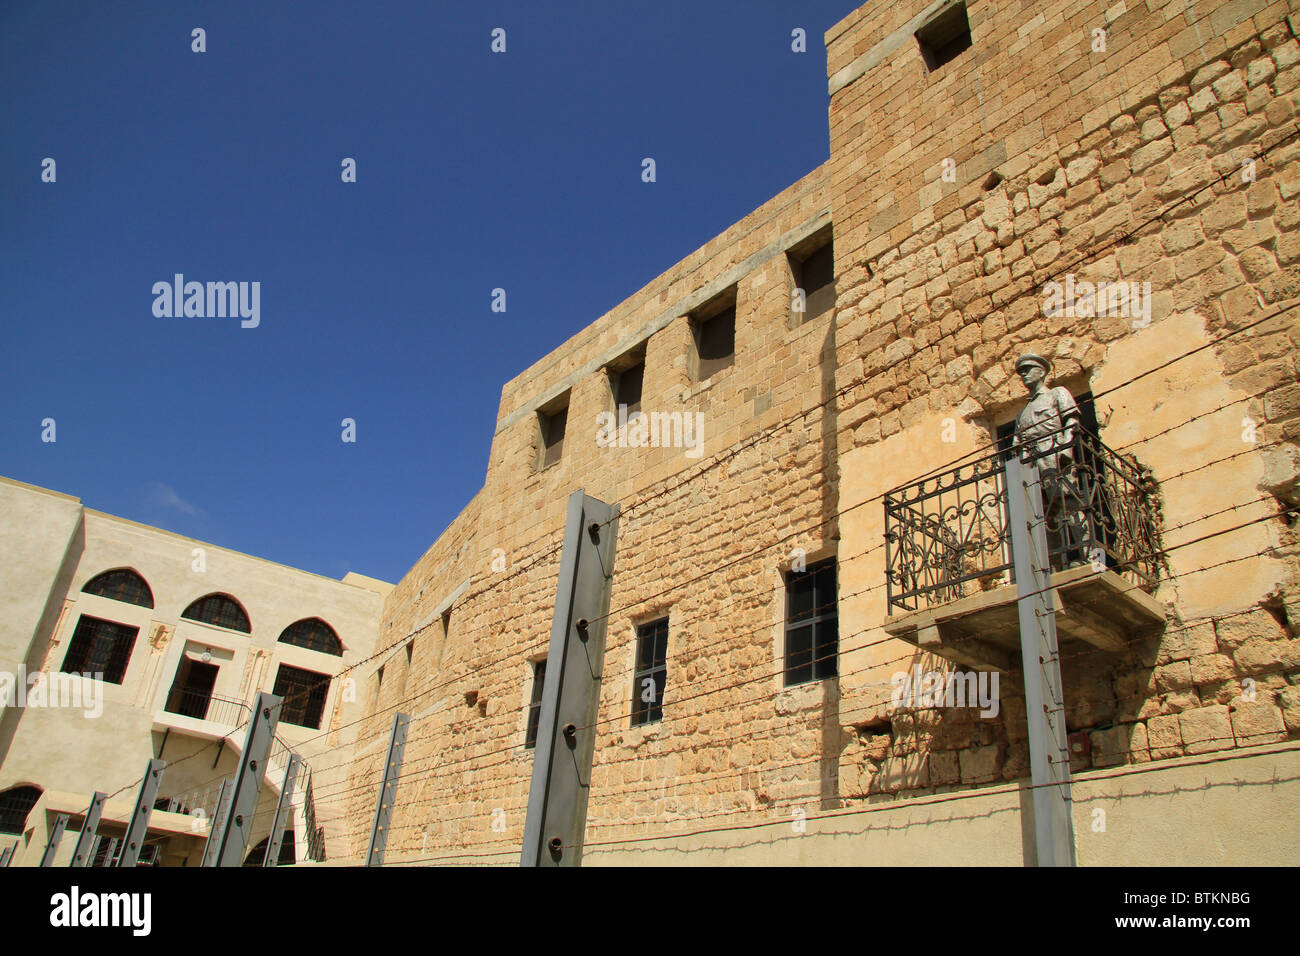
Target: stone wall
(955, 197)
(1124, 165)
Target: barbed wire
(1085, 256)
(414, 771)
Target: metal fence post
(237, 826)
(56, 834)
(136, 829)
(216, 823)
(557, 796)
(110, 855)
(387, 791)
(276, 837)
(84, 851)
(1049, 756)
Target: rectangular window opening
(714, 331)
(812, 264)
(945, 37)
(811, 624)
(535, 704)
(304, 695)
(651, 674)
(100, 648)
(627, 387)
(551, 421)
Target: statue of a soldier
(1046, 429)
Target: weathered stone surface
(1165, 737)
(980, 764)
(1183, 643)
(938, 291)
(1257, 722)
(1206, 729)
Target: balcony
(951, 586)
(207, 716)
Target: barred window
(651, 674)
(304, 694)
(313, 634)
(121, 585)
(811, 624)
(221, 610)
(101, 648)
(15, 804)
(257, 855)
(535, 705)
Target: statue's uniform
(1038, 429)
(1039, 434)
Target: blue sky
(475, 171)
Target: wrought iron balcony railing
(948, 536)
(204, 706)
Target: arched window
(313, 634)
(15, 804)
(122, 584)
(221, 610)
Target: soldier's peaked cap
(1029, 358)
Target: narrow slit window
(535, 704)
(651, 674)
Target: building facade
(124, 643)
(794, 601)
(812, 652)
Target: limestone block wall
(1168, 158)
(469, 769)
(954, 197)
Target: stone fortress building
(811, 651)
(996, 172)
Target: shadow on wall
(44, 634)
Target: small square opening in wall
(812, 266)
(945, 37)
(551, 422)
(714, 330)
(626, 378)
